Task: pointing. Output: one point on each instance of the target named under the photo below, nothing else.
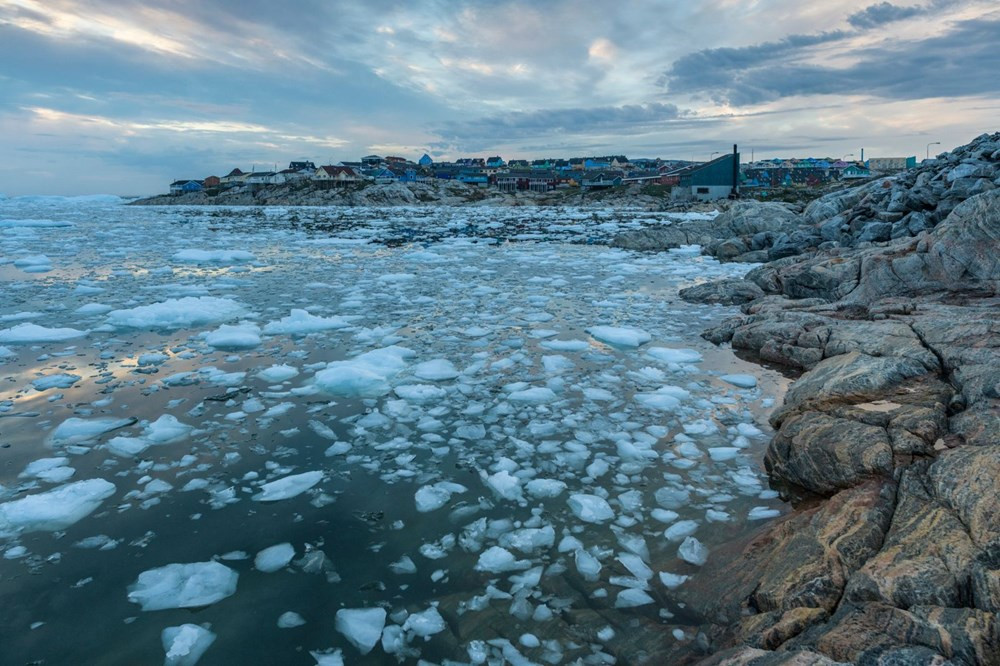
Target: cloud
(959, 62)
(882, 13)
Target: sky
(124, 96)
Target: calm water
(526, 403)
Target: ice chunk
(300, 322)
(693, 551)
(435, 370)
(499, 560)
(93, 309)
(663, 399)
(620, 336)
(178, 313)
(541, 488)
(237, 336)
(420, 392)
(275, 557)
(287, 487)
(63, 380)
(278, 373)
(536, 395)
(632, 598)
(403, 565)
(361, 626)
(503, 484)
(668, 355)
(435, 496)
(55, 509)
(671, 580)
(328, 657)
(590, 508)
(183, 586)
(166, 429)
(762, 513)
(565, 345)
(742, 381)
(425, 624)
(213, 256)
(680, 530)
(185, 644)
(366, 375)
(588, 565)
(26, 334)
(635, 566)
(721, 453)
(290, 620)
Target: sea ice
(55, 509)
(361, 626)
(429, 498)
(62, 380)
(175, 313)
(425, 624)
(185, 644)
(435, 370)
(300, 322)
(668, 355)
(632, 598)
(693, 551)
(74, 430)
(366, 375)
(536, 395)
(742, 381)
(500, 560)
(590, 508)
(672, 581)
(183, 586)
(25, 334)
(278, 373)
(287, 487)
(275, 557)
(234, 336)
(290, 620)
(620, 336)
(213, 256)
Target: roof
(235, 172)
(335, 170)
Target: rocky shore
(887, 297)
(437, 193)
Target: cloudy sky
(123, 96)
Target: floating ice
(693, 551)
(300, 322)
(435, 496)
(420, 392)
(361, 626)
(425, 624)
(671, 580)
(278, 373)
(742, 381)
(503, 484)
(185, 644)
(166, 430)
(290, 620)
(565, 345)
(273, 558)
(178, 313)
(55, 509)
(328, 657)
(183, 586)
(542, 488)
(74, 430)
(590, 508)
(681, 530)
(722, 453)
(435, 370)
(235, 336)
(366, 375)
(537, 395)
(26, 334)
(53, 470)
(93, 309)
(620, 336)
(499, 560)
(213, 256)
(668, 355)
(62, 380)
(287, 487)
(632, 598)
(37, 263)
(762, 513)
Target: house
(891, 164)
(855, 171)
(185, 186)
(601, 179)
(370, 162)
(518, 164)
(176, 187)
(302, 166)
(329, 176)
(211, 182)
(425, 161)
(595, 163)
(495, 162)
(234, 177)
(534, 181)
(576, 163)
(261, 178)
(717, 179)
(473, 177)
(382, 175)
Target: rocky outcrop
(745, 231)
(723, 292)
(890, 439)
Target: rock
(876, 232)
(824, 454)
(722, 292)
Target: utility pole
(927, 156)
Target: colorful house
(425, 161)
(329, 176)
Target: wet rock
(875, 232)
(722, 292)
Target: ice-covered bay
(471, 419)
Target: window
(702, 190)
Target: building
(891, 164)
(300, 166)
(425, 161)
(234, 177)
(370, 162)
(185, 186)
(329, 176)
(495, 162)
(855, 171)
(717, 179)
(601, 179)
(211, 182)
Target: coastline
(888, 445)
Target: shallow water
(489, 291)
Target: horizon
(125, 97)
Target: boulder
(722, 292)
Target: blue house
(192, 186)
(425, 160)
(596, 164)
(495, 162)
(473, 178)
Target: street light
(844, 158)
(712, 157)
(927, 155)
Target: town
(718, 178)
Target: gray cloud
(882, 13)
(961, 62)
